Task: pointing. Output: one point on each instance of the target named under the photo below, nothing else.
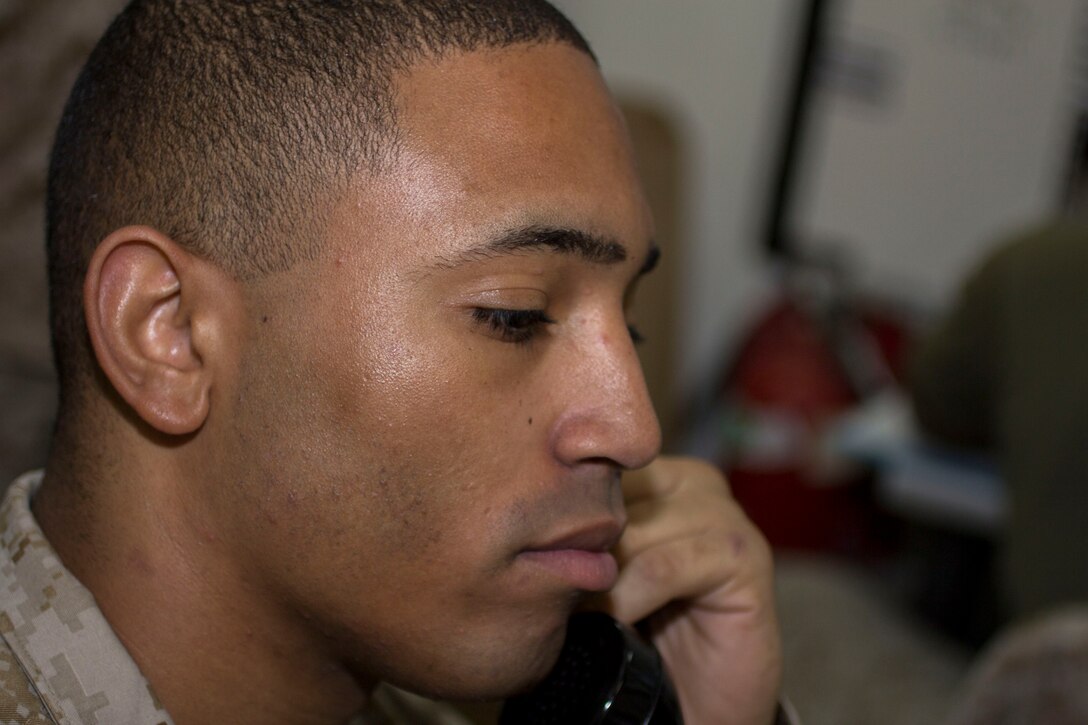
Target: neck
(181, 604)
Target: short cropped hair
(230, 124)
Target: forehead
(503, 138)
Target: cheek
(402, 440)
(437, 396)
(434, 441)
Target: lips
(579, 559)
(600, 537)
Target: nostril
(599, 435)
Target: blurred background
(868, 312)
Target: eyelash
(516, 326)
(521, 326)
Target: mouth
(580, 558)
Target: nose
(607, 413)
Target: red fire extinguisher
(800, 367)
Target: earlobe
(139, 297)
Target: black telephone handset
(605, 675)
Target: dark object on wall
(812, 32)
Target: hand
(692, 562)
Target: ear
(154, 313)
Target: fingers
(665, 476)
(693, 561)
(687, 540)
(682, 569)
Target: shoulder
(1060, 243)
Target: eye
(636, 336)
(516, 326)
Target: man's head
(231, 126)
(401, 448)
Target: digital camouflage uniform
(60, 662)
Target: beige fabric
(60, 662)
(1034, 672)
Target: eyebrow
(561, 240)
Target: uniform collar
(60, 638)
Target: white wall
(719, 65)
(967, 143)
